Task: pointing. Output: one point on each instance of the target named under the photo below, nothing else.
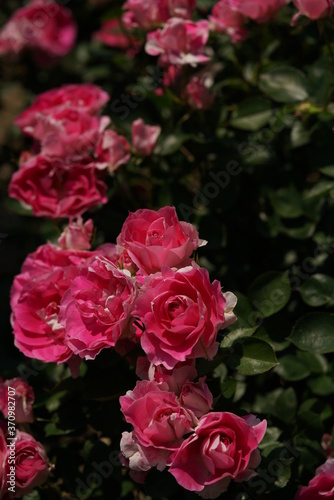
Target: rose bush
(167, 122)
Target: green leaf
(299, 135)
(52, 430)
(252, 114)
(251, 356)
(287, 202)
(291, 368)
(171, 144)
(314, 333)
(270, 292)
(284, 84)
(322, 386)
(321, 188)
(237, 334)
(329, 170)
(299, 230)
(286, 405)
(318, 291)
(274, 330)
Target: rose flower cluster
(177, 40)
(44, 27)
(64, 175)
(69, 302)
(23, 461)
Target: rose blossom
(77, 235)
(260, 11)
(52, 189)
(158, 420)
(199, 95)
(179, 42)
(43, 26)
(223, 447)
(144, 137)
(321, 487)
(157, 238)
(313, 9)
(36, 293)
(95, 310)
(24, 399)
(327, 445)
(225, 19)
(175, 379)
(145, 15)
(196, 396)
(85, 98)
(113, 35)
(182, 312)
(152, 13)
(68, 132)
(112, 151)
(31, 464)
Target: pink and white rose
(24, 399)
(42, 26)
(144, 137)
(313, 9)
(159, 422)
(96, 308)
(157, 238)
(225, 19)
(85, 98)
(55, 190)
(31, 464)
(182, 312)
(321, 487)
(260, 11)
(179, 42)
(77, 235)
(223, 447)
(112, 151)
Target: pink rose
(85, 98)
(144, 137)
(199, 95)
(152, 13)
(77, 235)
(175, 379)
(132, 454)
(223, 447)
(182, 312)
(157, 238)
(225, 19)
(112, 34)
(196, 396)
(43, 26)
(260, 11)
(36, 293)
(31, 464)
(313, 9)
(181, 8)
(54, 190)
(321, 487)
(158, 420)
(145, 15)
(24, 399)
(327, 445)
(95, 310)
(179, 42)
(66, 132)
(112, 151)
